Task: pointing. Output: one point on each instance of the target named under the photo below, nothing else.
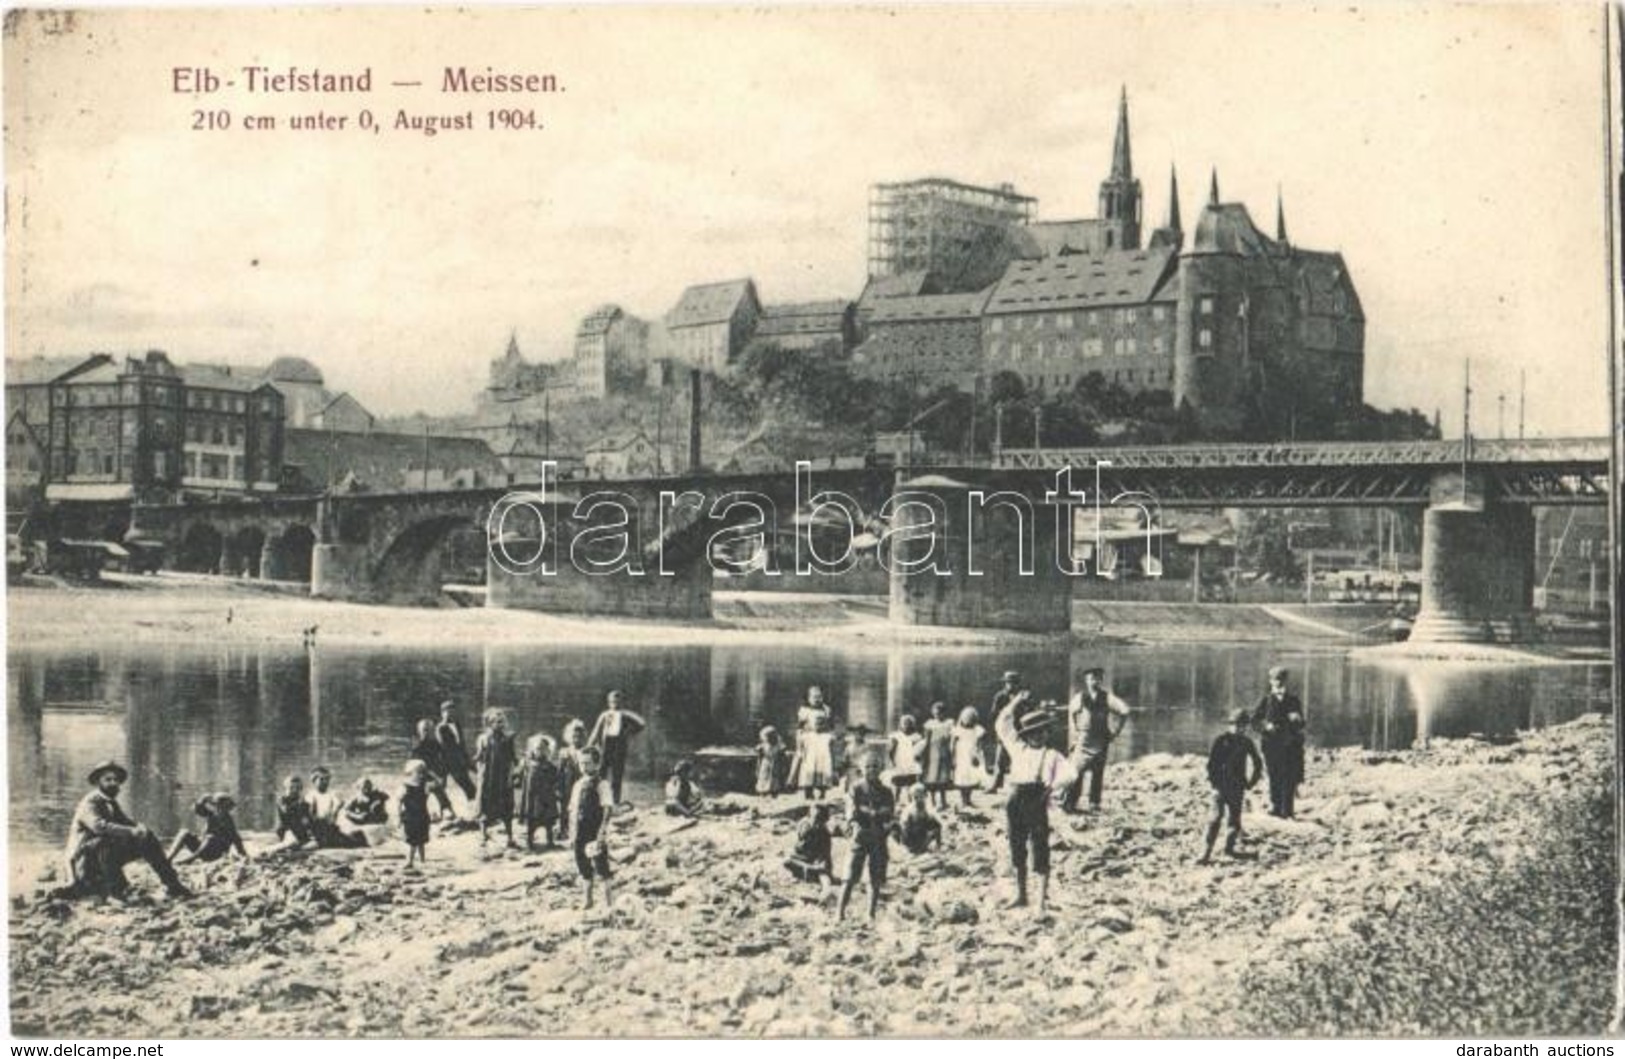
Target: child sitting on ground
(683, 795)
(219, 833)
(293, 814)
(538, 782)
(918, 829)
(368, 805)
(813, 859)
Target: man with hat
(1095, 717)
(1036, 771)
(1280, 717)
(1233, 766)
(102, 840)
(1010, 685)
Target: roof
(929, 307)
(383, 461)
(902, 285)
(803, 318)
(223, 377)
(710, 303)
(1227, 228)
(1065, 237)
(1122, 277)
(294, 369)
(599, 321)
(619, 440)
(32, 371)
(1323, 275)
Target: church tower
(1120, 192)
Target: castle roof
(1227, 228)
(928, 307)
(710, 303)
(802, 318)
(902, 285)
(1122, 277)
(294, 369)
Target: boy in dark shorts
(1230, 776)
(591, 803)
(871, 813)
(1036, 772)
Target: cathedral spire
(1280, 216)
(1122, 163)
(1173, 200)
(513, 343)
(1213, 188)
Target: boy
(1036, 771)
(683, 796)
(591, 803)
(871, 812)
(1228, 772)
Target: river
(188, 719)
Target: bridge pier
(997, 567)
(340, 571)
(1478, 567)
(684, 595)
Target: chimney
(693, 421)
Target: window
(1132, 345)
(1159, 313)
(1092, 347)
(1159, 345)
(236, 435)
(1064, 321)
(1207, 305)
(107, 463)
(997, 325)
(217, 435)
(995, 349)
(1204, 338)
(1038, 349)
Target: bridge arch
(287, 555)
(241, 557)
(410, 569)
(199, 550)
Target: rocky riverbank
(709, 936)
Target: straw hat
(108, 766)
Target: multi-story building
(710, 324)
(925, 340)
(810, 325)
(611, 352)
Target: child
(968, 770)
(414, 812)
(428, 750)
(573, 742)
(813, 858)
(325, 807)
(769, 762)
(854, 745)
(1036, 774)
(293, 814)
(494, 755)
(683, 795)
(920, 830)
(905, 749)
(871, 813)
(368, 805)
(591, 804)
(219, 832)
(939, 754)
(1230, 777)
(815, 762)
(538, 790)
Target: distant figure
(815, 759)
(813, 858)
(592, 803)
(429, 750)
(102, 840)
(494, 755)
(1229, 775)
(539, 790)
(219, 837)
(325, 812)
(918, 829)
(1036, 773)
(293, 814)
(997, 759)
(939, 754)
(1095, 717)
(368, 805)
(414, 812)
(905, 747)
(683, 796)
(854, 753)
(871, 813)
(1279, 717)
(612, 733)
(969, 773)
(573, 743)
(453, 751)
(769, 762)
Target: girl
(815, 726)
(905, 749)
(967, 744)
(539, 790)
(769, 762)
(494, 755)
(574, 741)
(939, 754)
(414, 812)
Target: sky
(1453, 154)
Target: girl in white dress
(968, 769)
(814, 733)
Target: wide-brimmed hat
(1240, 717)
(1278, 673)
(1011, 677)
(1034, 721)
(1095, 671)
(108, 766)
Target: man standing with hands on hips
(1096, 717)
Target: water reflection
(191, 719)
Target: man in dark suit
(102, 840)
(1279, 717)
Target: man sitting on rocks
(102, 840)
(1229, 774)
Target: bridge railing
(1316, 454)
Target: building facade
(926, 340)
(828, 325)
(710, 324)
